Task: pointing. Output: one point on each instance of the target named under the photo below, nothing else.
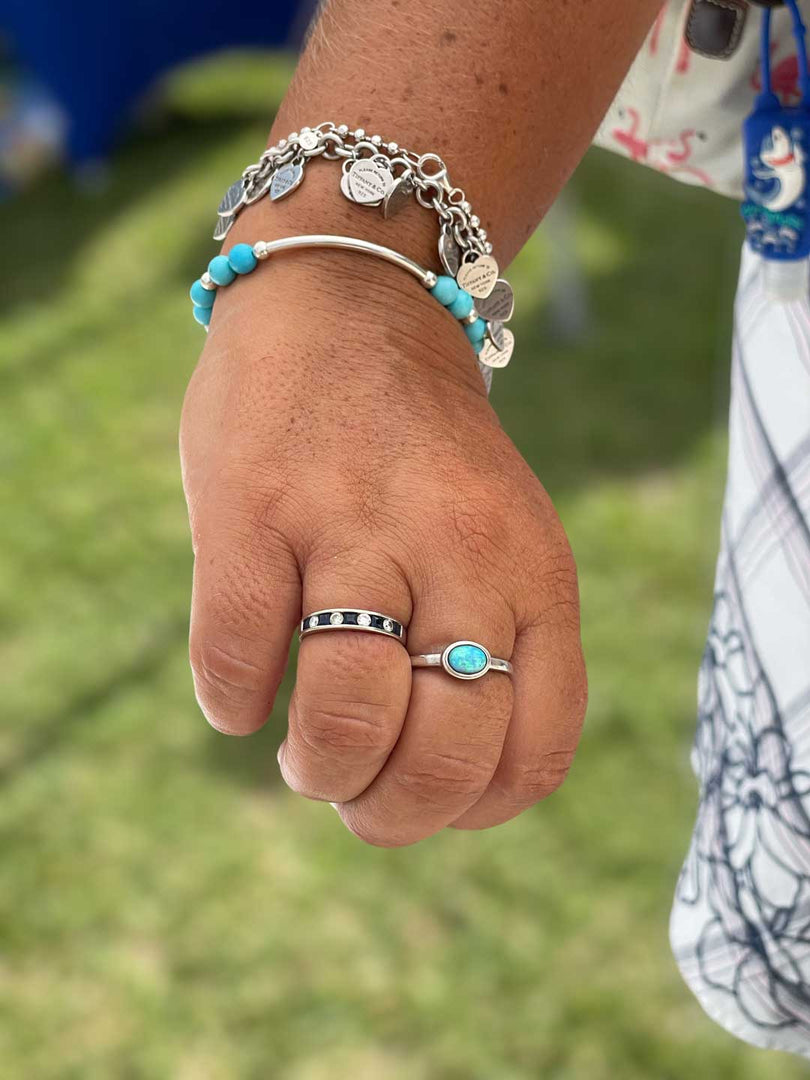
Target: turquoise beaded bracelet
(490, 340)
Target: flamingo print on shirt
(670, 156)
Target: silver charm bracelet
(382, 174)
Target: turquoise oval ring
(463, 660)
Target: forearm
(509, 94)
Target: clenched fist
(339, 451)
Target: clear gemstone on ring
(335, 618)
(388, 624)
(313, 621)
(363, 619)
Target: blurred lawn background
(167, 908)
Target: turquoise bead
(202, 315)
(478, 346)
(476, 331)
(467, 659)
(242, 259)
(461, 306)
(221, 270)
(201, 296)
(445, 290)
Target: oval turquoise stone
(467, 659)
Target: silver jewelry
(488, 355)
(463, 660)
(373, 622)
(375, 172)
(383, 174)
(263, 249)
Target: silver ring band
(373, 622)
(463, 660)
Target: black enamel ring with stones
(352, 619)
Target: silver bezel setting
(460, 675)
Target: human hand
(339, 451)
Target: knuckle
(443, 780)
(356, 715)
(480, 527)
(558, 584)
(225, 684)
(353, 728)
(376, 835)
(528, 782)
(250, 504)
(578, 701)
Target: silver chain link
(432, 187)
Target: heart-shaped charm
(232, 199)
(494, 357)
(495, 332)
(499, 305)
(478, 278)
(398, 194)
(449, 253)
(369, 182)
(344, 186)
(286, 179)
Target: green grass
(167, 908)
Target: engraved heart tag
(495, 331)
(398, 194)
(449, 253)
(478, 278)
(500, 304)
(369, 182)
(494, 357)
(286, 180)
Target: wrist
(317, 206)
(337, 287)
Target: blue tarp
(97, 56)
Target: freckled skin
(338, 448)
